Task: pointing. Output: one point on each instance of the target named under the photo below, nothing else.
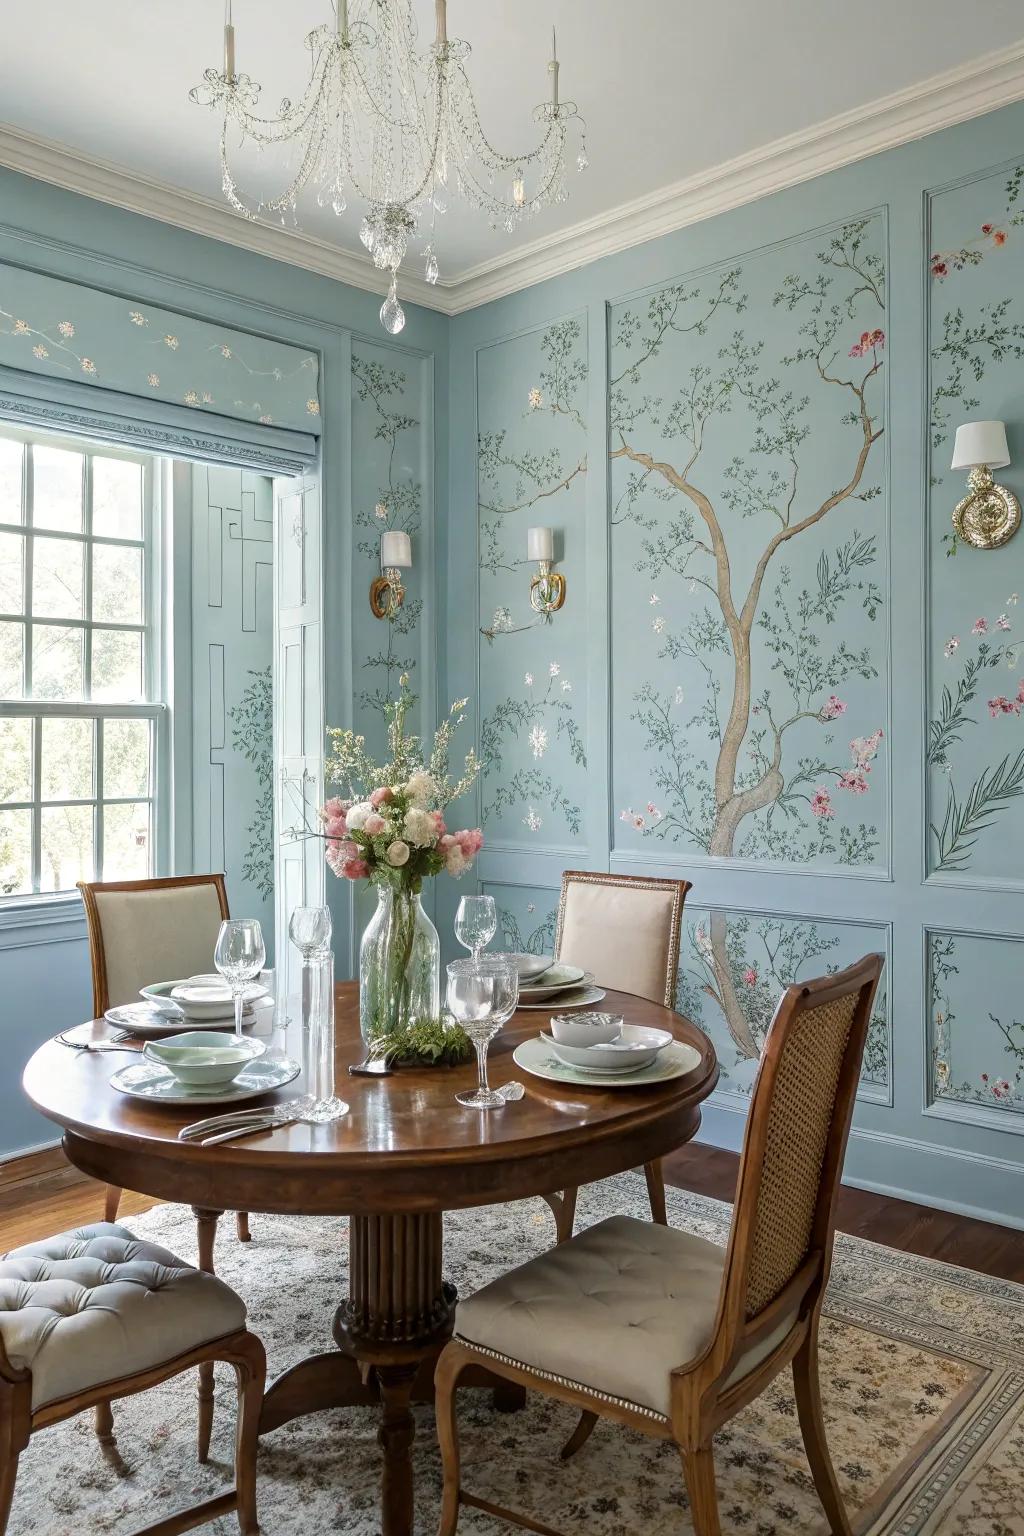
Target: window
(80, 718)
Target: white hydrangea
(419, 828)
(421, 789)
(357, 816)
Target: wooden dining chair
(92, 1315)
(142, 931)
(624, 930)
(670, 1334)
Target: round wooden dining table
(405, 1153)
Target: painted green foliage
(252, 735)
(982, 1061)
(975, 747)
(747, 477)
(532, 469)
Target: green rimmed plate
(158, 1085)
(676, 1060)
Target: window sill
(27, 920)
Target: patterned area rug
(923, 1382)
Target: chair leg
(580, 1435)
(206, 1233)
(699, 1471)
(563, 1208)
(251, 1376)
(812, 1425)
(242, 1227)
(111, 1202)
(8, 1475)
(104, 1421)
(655, 1177)
(446, 1381)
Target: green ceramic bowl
(203, 1059)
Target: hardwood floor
(897, 1223)
(58, 1198)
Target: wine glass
(482, 997)
(310, 930)
(239, 957)
(476, 923)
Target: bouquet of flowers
(389, 828)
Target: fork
(111, 1044)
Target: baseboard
(40, 1171)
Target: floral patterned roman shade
(59, 330)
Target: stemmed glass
(239, 957)
(476, 923)
(310, 931)
(482, 997)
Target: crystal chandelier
(393, 128)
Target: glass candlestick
(321, 1103)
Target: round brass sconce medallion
(989, 515)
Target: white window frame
(153, 708)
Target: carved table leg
(206, 1232)
(399, 1311)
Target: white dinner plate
(157, 1084)
(554, 980)
(676, 1060)
(570, 997)
(150, 1022)
(158, 993)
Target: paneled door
(298, 707)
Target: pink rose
(383, 796)
(333, 808)
(355, 869)
(336, 826)
(470, 841)
(375, 825)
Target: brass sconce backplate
(989, 514)
(386, 596)
(547, 591)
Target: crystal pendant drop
(581, 160)
(366, 234)
(338, 203)
(431, 273)
(392, 315)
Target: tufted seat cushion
(615, 1309)
(93, 1305)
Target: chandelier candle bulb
(553, 70)
(229, 51)
(540, 544)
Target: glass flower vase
(399, 965)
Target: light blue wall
(44, 973)
(795, 362)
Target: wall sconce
(989, 514)
(387, 593)
(547, 588)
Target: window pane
(12, 573)
(10, 481)
(67, 759)
(57, 578)
(126, 841)
(67, 850)
(12, 644)
(117, 498)
(117, 584)
(56, 662)
(15, 759)
(126, 757)
(15, 852)
(116, 666)
(56, 489)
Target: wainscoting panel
(976, 1036)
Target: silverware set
(242, 1122)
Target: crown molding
(970, 90)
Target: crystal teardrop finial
(366, 234)
(392, 315)
(581, 160)
(432, 270)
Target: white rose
(419, 828)
(420, 789)
(398, 854)
(356, 817)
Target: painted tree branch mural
(803, 417)
(397, 504)
(532, 467)
(995, 1076)
(252, 735)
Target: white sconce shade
(395, 550)
(980, 442)
(540, 544)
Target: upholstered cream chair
(93, 1315)
(666, 1332)
(624, 929)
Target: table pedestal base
(390, 1329)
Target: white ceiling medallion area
(981, 86)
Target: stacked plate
(194, 1002)
(561, 985)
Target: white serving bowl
(585, 1029)
(637, 1046)
(204, 1060)
(206, 1000)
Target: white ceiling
(669, 88)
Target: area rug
(922, 1376)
